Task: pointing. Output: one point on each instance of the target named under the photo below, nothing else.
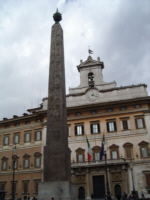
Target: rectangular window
(111, 126)
(140, 123)
(2, 186)
(147, 176)
(97, 156)
(4, 165)
(16, 139)
(125, 124)
(79, 130)
(37, 162)
(36, 186)
(26, 163)
(6, 140)
(25, 187)
(114, 154)
(38, 135)
(27, 137)
(144, 152)
(95, 128)
(80, 157)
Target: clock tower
(91, 83)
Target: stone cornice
(112, 104)
(108, 90)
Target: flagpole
(108, 196)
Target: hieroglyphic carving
(56, 135)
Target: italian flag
(89, 150)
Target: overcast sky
(117, 31)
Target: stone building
(94, 108)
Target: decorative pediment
(26, 155)
(128, 144)
(114, 146)
(90, 62)
(37, 154)
(96, 148)
(80, 150)
(143, 143)
(4, 158)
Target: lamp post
(13, 167)
(134, 192)
(108, 196)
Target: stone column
(88, 195)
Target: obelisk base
(57, 190)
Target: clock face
(92, 95)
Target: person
(142, 194)
(92, 196)
(124, 196)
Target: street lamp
(134, 192)
(108, 196)
(13, 167)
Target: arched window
(114, 151)
(91, 79)
(96, 153)
(80, 155)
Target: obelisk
(57, 165)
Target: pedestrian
(124, 196)
(142, 194)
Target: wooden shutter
(136, 124)
(82, 130)
(115, 126)
(35, 136)
(91, 128)
(98, 128)
(125, 124)
(147, 179)
(128, 153)
(75, 130)
(107, 126)
(25, 187)
(143, 122)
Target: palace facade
(94, 108)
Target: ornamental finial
(57, 16)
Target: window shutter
(143, 122)
(98, 128)
(25, 187)
(35, 136)
(75, 130)
(115, 126)
(117, 154)
(82, 130)
(147, 179)
(110, 154)
(136, 124)
(91, 128)
(128, 152)
(107, 126)
(25, 137)
(125, 124)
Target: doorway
(118, 191)
(81, 193)
(98, 187)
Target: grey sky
(117, 31)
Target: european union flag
(102, 150)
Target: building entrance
(81, 193)
(98, 187)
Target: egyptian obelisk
(57, 166)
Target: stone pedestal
(59, 190)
